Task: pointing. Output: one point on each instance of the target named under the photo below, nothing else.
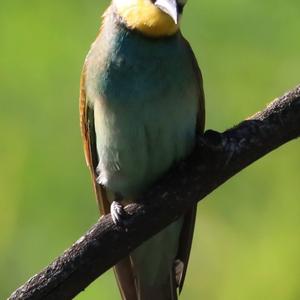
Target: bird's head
(154, 18)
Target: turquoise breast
(144, 95)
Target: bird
(141, 111)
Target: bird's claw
(217, 143)
(212, 141)
(118, 214)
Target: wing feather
(89, 143)
(187, 231)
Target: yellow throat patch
(144, 16)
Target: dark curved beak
(169, 7)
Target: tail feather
(132, 289)
(125, 279)
(156, 269)
(153, 265)
(167, 291)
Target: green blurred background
(248, 232)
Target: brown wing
(89, 142)
(187, 231)
(123, 270)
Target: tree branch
(220, 157)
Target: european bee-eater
(141, 107)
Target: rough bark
(218, 158)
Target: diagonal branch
(220, 157)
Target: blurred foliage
(247, 238)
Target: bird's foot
(217, 144)
(211, 140)
(118, 214)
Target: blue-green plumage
(143, 94)
(146, 107)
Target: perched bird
(141, 107)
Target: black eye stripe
(180, 8)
